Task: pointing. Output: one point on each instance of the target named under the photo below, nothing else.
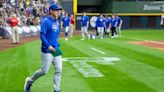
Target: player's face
(66, 14)
(106, 16)
(55, 13)
(101, 16)
(84, 14)
(113, 16)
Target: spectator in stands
(1, 20)
(38, 21)
(29, 21)
(28, 14)
(1, 23)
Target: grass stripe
(116, 81)
(85, 46)
(141, 74)
(124, 50)
(132, 65)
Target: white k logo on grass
(80, 63)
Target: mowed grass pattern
(140, 68)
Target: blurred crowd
(30, 14)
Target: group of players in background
(106, 26)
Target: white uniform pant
(71, 30)
(100, 32)
(15, 34)
(47, 59)
(84, 30)
(118, 29)
(107, 30)
(67, 29)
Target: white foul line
(147, 40)
(98, 51)
(154, 42)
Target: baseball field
(132, 63)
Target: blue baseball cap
(54, 7)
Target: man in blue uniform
(50, 28)
(84, 26)
(66, 25)
(107, 26)
(113, 26)
(119, 25)
(100, 24)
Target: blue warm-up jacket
(50, 30)
(100, 22)
(66, 21)
(84, 21)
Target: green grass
(140, 68)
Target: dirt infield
(153, 44)
(7, 43)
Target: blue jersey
(84, 21)
(50, 29)
(118, 19)
(100, 22)
(108, 22)
(113, 22)
(66, 21)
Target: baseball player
(66, 25)
(14, 24)
(100, 24)
(113, 26)
(84, 26)
(50, 28)
(108, 26)
(119, 25)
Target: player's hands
(52, 50)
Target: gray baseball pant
(84, 30)
(47, 59)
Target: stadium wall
(138, 7)
(68, 6)
(89, 2)
(129, 21)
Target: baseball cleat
(27, 85)
(66, 39)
